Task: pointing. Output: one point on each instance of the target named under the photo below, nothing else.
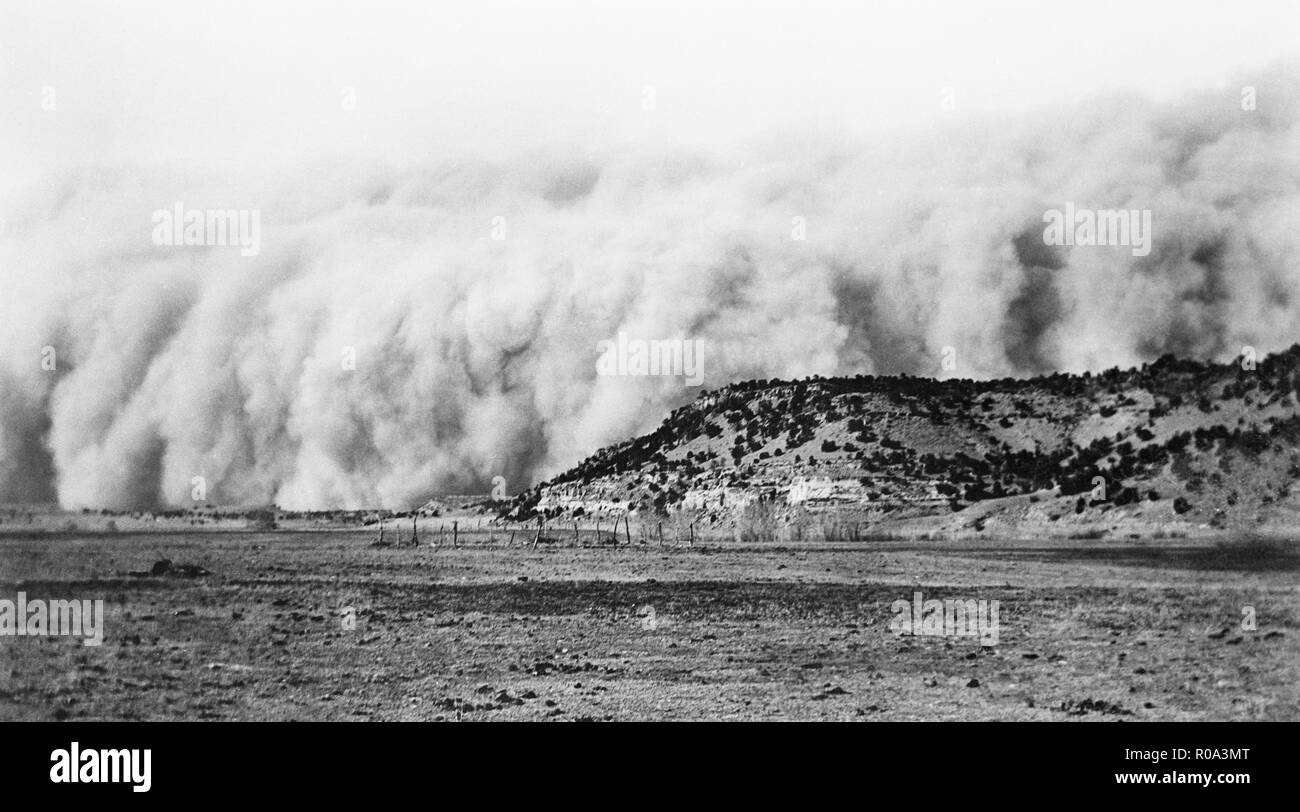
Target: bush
(756, 523)
(262, 520)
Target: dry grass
(722, 631)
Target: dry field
(1089, 630)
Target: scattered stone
(165, 567)
(1094, 706)
(827, 694)
(505, 698)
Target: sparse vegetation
(1172, 429)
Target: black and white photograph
(650, 362)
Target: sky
(456, 206)
(243, 85)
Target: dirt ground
(1088, 630)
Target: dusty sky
(784, 183)
(252, 84)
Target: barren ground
(1088, 630)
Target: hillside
(1174, 446)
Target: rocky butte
(1173, 447)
